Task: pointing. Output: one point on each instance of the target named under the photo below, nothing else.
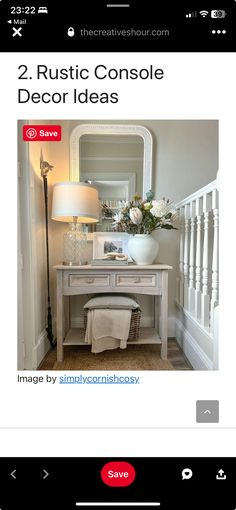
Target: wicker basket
(134, 330)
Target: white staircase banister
(197, 194)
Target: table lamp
(75, 203)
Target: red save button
(42, 133)
(118, 474)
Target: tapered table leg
(60, 316)
(164, 315)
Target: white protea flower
(135, 215)
(118, 217)
(159, 208)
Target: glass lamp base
(75, 246)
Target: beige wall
(185, 153)
(185, 158)
(33, 249)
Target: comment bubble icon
(187, 474)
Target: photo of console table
(78, 280)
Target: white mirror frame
(112, 129)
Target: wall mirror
(116, 159)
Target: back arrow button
(13, 474)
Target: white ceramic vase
(143, 249)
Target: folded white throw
(107, 329)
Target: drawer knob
(136, 280)
(90, 280)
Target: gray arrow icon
(45, 474)
(207, 411)
(13, 474)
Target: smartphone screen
(117, 254)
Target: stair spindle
(181, 257)
(198, 259)
(205, 300)
(191, 290)
(186, 256)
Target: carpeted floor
(136, 357)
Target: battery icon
(218, 14)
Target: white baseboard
(40, 350)
(194, 353)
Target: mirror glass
(114, 165)
(116, 159)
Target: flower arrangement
(144, 216)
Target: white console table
(76, 280)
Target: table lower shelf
(75, 336)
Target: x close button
(118, 474)
(16, 31)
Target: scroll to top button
(207, 411)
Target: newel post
(215, 278)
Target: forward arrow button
(45, 474)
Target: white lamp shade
(72, 199)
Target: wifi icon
(204, 13)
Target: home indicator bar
(118, 5)
(119, 504)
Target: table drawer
(142, 280)
(89, 280)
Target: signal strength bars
(194, 14)
(191, 14)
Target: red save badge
(43, 133)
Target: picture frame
(104, 242)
